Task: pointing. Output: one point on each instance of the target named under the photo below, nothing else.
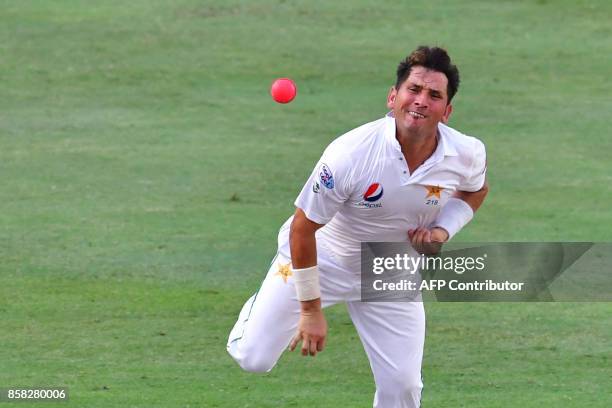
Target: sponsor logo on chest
(372, 194)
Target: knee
(255, 365)
(249, 360)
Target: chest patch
(433, 194)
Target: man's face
(420, 103)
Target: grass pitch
(146, 171)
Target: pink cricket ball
(283, 90)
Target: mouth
(416, 115)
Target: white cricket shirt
(363, 191)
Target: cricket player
(405, 177)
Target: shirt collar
(445, 147)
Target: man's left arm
(473, 198)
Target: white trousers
(392, 333)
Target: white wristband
(455, 214)
(306, 282)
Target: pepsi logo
(373, 193)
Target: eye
(413, 89)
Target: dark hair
(433, 58)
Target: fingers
(419, 237)
(426, 241)
(295, 341)
(425, 236)
(312, 330)
(309, 346)
(305, 347)
(313, 347)
(411, 234)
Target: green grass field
(146, 171)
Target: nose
(421, 100)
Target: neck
(413, 142)
(417, 147)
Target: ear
(447, 113)
(391, 97)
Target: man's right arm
(302, 241)
(312, 328)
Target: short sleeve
(327, 188)
(475, 178)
